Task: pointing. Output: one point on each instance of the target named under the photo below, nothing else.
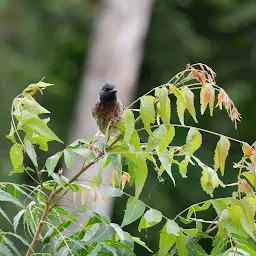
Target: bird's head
(108, 94)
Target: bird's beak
(113, 90)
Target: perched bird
(108, 110)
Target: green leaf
(134, 210)
(103, 163)
(103, 233)
(181, 242)
(189, 96)
(138, 241)
(4, 250)
(34, 107)
(197, 208)
(172, 227)
(158, 136)
(167, 239)
(16, 219)
(69, 158)
(167, 138)
(220, 205)
(181, 107)
(31, 152)
(135, 140)
(140, 173)
(43, 84)
(221, 153)
(74, 187)
(16, 155)
(95, 251)
(41, 127)
(193, 140)
(114, 192)
(5, 197)
(11, 136)
(179, 94)
(147, 111)
(84, 152)
(13, 191)
(11, 245)
(183, 168)
(2, 212)
(52, 162)
(210, 180)
(165, 106)
(40, 140)
(165, 159)
(128, 124)
(150, 219)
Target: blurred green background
(49, 38)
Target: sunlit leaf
(11, 135)
(128, 124)
(134, 210)
(16, 155)
(150, 219)
(167, 237)
(221, 153)
(147, 111)
(41, 127)
(158, 136)
(179, 94)
(138, 241)
(167, 138)
(33, 107)
(165, 106)
(140, 173)
(189, 96)
(193, 140)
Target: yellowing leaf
(189, 96)
(193, 140)
(181, 107)
(147, 111)
(178, 93)
(125, 177)
(207, 96)
(247, 150)
(221, 153)
(165, 106)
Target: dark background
(50, 39)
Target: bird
(108, 110)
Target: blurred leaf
(5, 197)
(114, 192)
(134, 210)
(150, 219)
(16, 219)
(11, 135)
(11, 245)
(4, 250)
(147, 111)
(69, 158)
(221, 153)
(197, 208)
(13, 191)
(2, 212)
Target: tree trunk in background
(115, 56)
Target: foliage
(46, 222)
